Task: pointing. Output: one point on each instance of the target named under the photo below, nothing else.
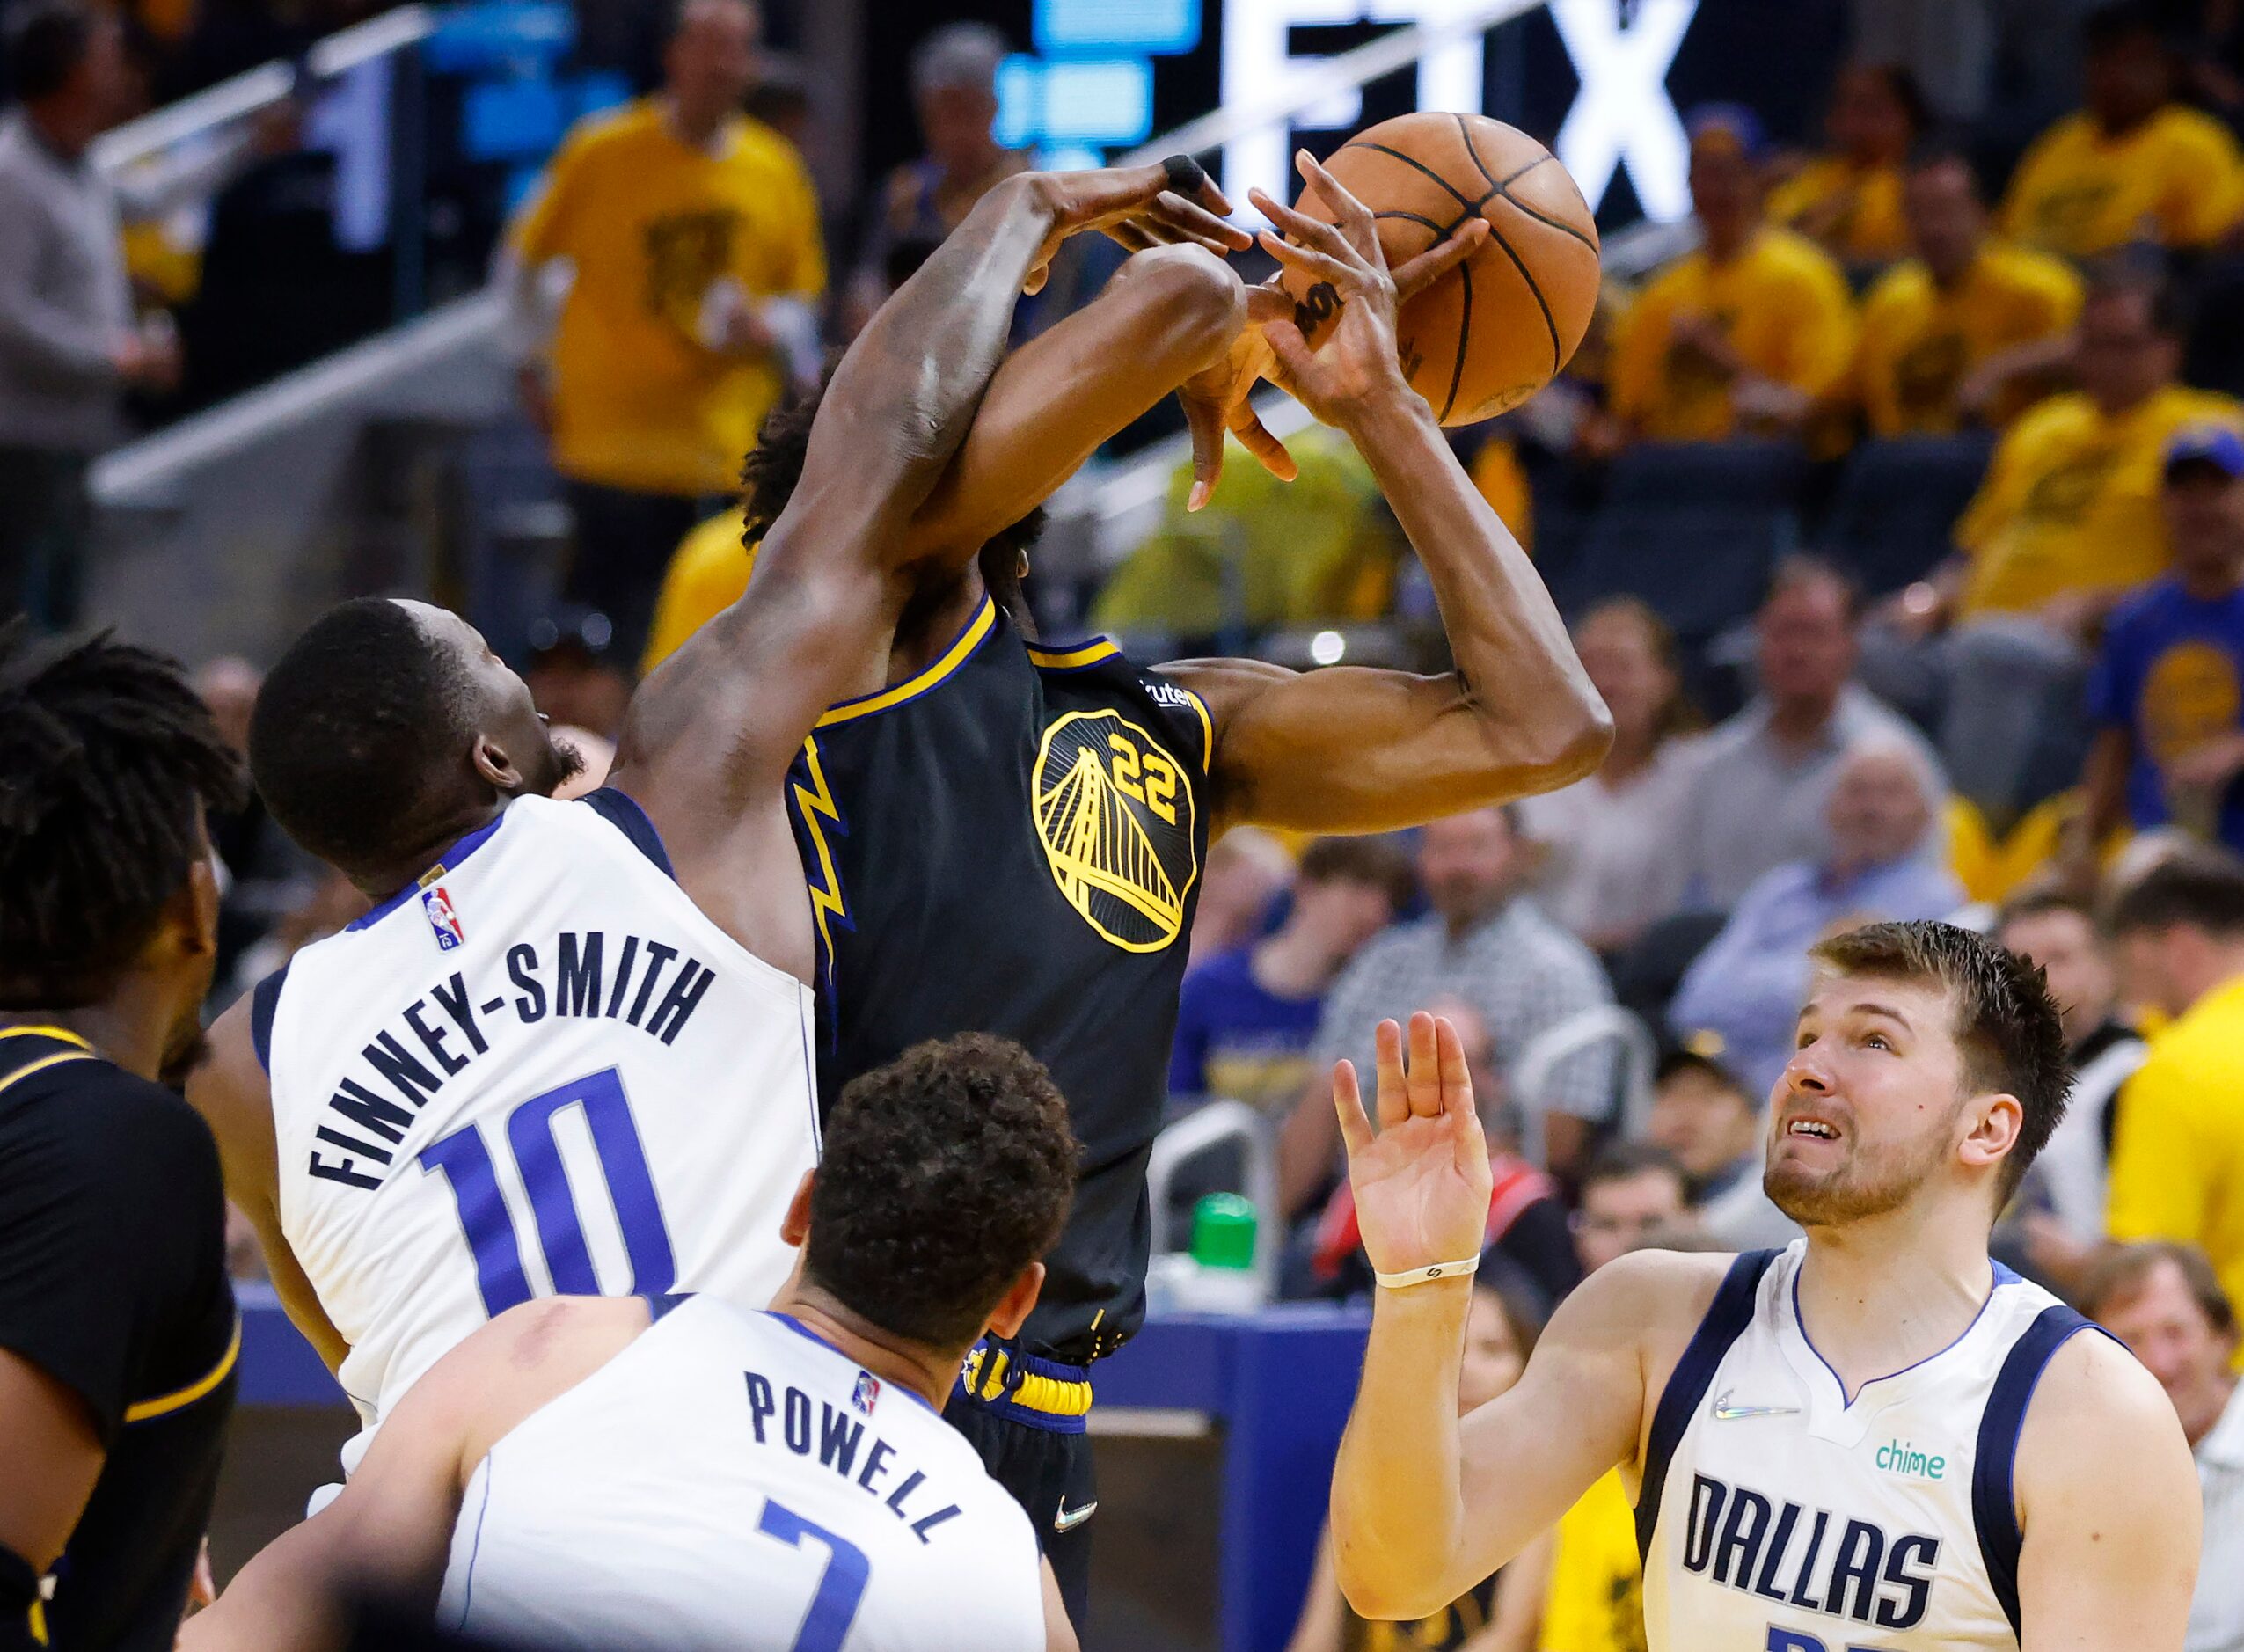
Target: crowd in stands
(1900, 522)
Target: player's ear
(794, 1227)
(495, 766)
(1012, 1309)
(1997, 1121)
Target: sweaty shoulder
(1652, 1300)
(2096, 1420)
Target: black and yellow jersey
(1011, 842)
(112, 1282)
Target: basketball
(1493, 331)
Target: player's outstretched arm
(229, 1088)
(388, 1535)
(711, 734)
(1426, 1506)
(1353, 750)
(2109, 1506)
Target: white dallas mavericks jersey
(730, 1481)
(543, 1072)
(1777, 1517)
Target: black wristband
(1186, 177)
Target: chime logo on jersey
(1115, 814)
(868, 1392)
(443, 922)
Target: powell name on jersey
(542, 1071)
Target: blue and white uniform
(544, 1070)
(1776, 1515)
(730, 1482)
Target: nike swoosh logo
(1068, 1519)
(1725, 1412)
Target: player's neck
(126, 1028)
(379, 883)
(1879, 1295)
(893, 1359)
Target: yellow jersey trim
(812, 801)
(1072, 658)
(162, 1405)
(968, 640)
(38, 1623)
(1054, 1396)
(45, 1061)
(1207, 727)
(61, 1032)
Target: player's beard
(1869, 1182)
(561, 763)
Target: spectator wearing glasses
(1741, 335)
(1969, 330)
(2177, 1161)
(2134, 164)
(2167, 689)
(2165, 1302)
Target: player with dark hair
(117, 1328)
(568, 1051)
(1007, 836)
(681, 1473)
(1876, 1435)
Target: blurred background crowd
(1896, 502)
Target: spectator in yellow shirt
(1743, 334)
(2134, 165)
(2177, 1162)
(2066, 521)
(693, 234)
(1967, 329)
(1848, 199)
(708, 574)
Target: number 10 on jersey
(464, 1159)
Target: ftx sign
(1621, 52)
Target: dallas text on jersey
(838, 1436)
(581, 987)
(1750, 1550)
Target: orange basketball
(1496, 329)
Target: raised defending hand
(1422, 1181)
(1216, 401)
(1161, 203)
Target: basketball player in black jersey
(1005, 837)
(117, 1329)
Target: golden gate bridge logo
(1115, 814)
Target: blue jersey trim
(445, 864)
(1727, 1316)
(1994, 1498)
(2003, 1277)
(660, 1305)
(807, 1334)
(264, 1005)
(622, 810)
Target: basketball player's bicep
(1350, 748)
(2108, 1505)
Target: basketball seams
(1502, 187)
(1550, 322)
(1464, 338)
(1417, 165)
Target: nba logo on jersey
(443, 922)
(868, 1392)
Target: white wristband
(1465, 1269)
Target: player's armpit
(2109, 1506)
(230, 1088)
(1351, 748)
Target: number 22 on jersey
(465, 1162)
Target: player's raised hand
(1161, 203)
(1358, 364)
(1422, 1180)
